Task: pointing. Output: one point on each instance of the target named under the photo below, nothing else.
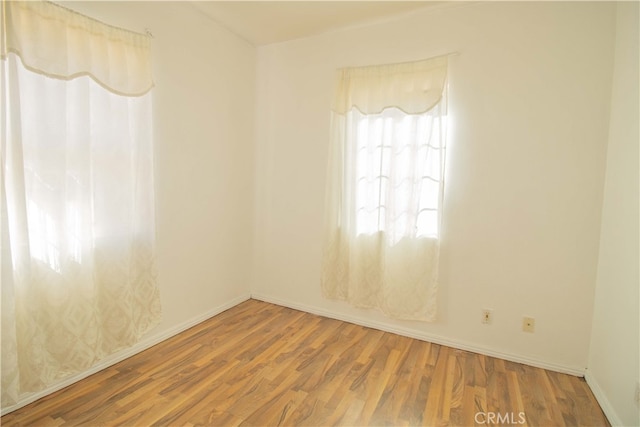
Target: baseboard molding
(126, 353)
(156, 339)
(411, 333)
(602, 399)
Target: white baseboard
(123, 354)
(412, 333)
(601, 397)
(156, 339)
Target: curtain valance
(63, 44)
(413, 87)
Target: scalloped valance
(63, 44)
(413, 87)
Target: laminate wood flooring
(264, 365)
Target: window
(398, 172)
(77, 194)
(84, 151)
(385, 187)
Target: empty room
(320, 213)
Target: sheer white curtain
(385, 188)
(78, 231)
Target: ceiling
(265, 22)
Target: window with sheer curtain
(78, 230)
(385, 187)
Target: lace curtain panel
(79, 275)
(385, 188)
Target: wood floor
(265, 365)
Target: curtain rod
(454, 53)
(91, 18)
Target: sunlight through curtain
(78, 230)
(385, 188)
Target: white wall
(614, 357)
(529, 103)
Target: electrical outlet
(487, 317)
(528, 324)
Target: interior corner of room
(541, 191)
